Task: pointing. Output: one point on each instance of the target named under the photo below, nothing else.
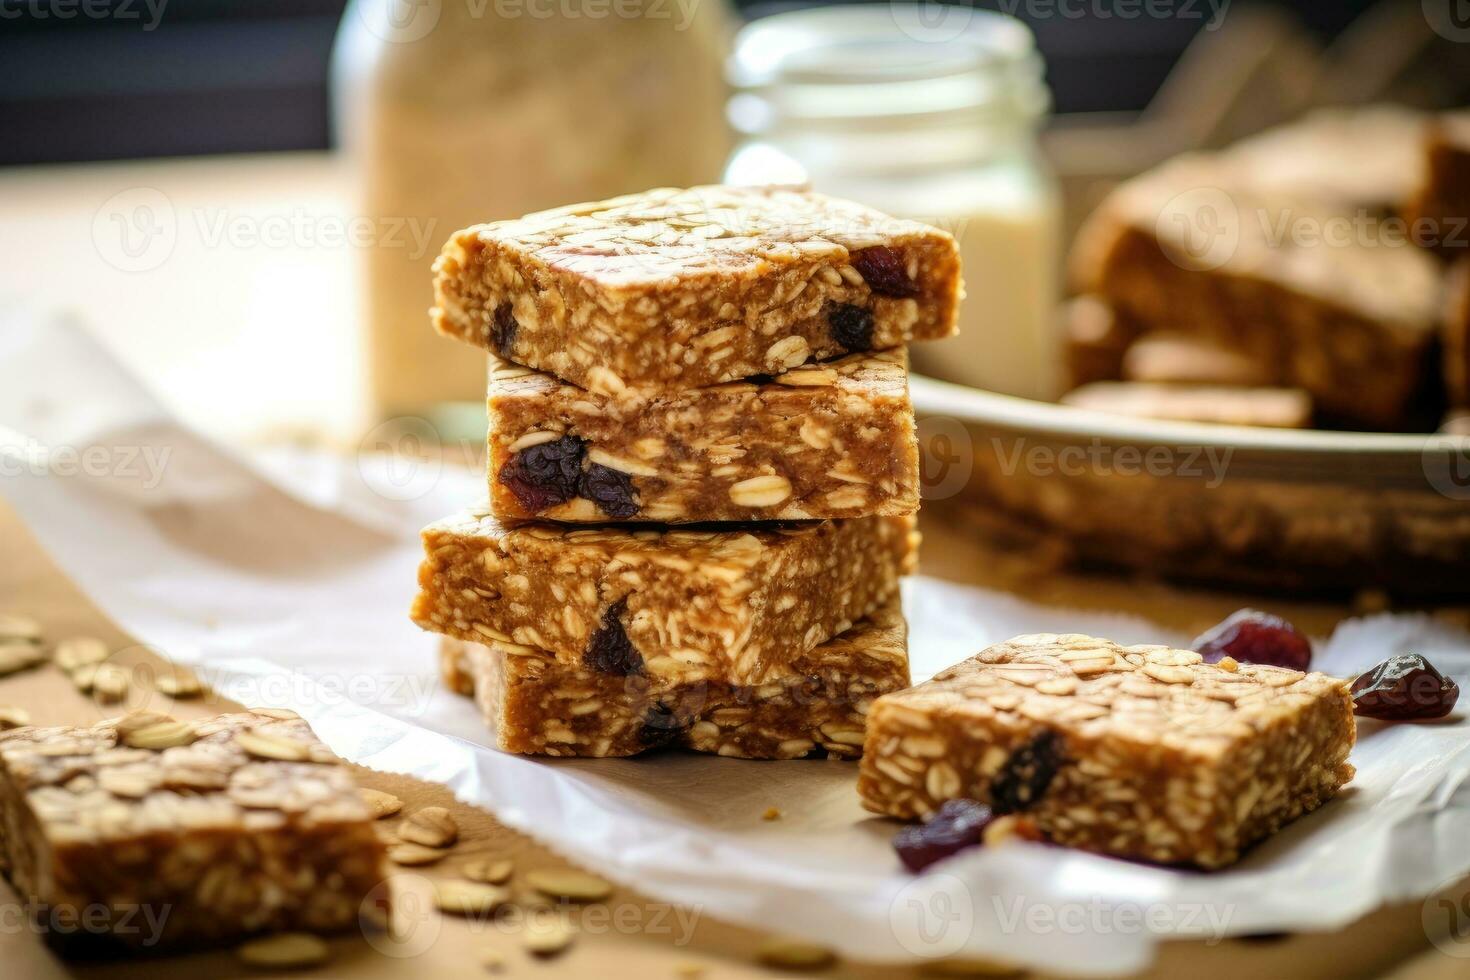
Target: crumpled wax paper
(285, 578)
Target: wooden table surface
(201, 326)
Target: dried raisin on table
(954, 827)
(1254, 637)
(1404, 688)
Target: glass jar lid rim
(876, 44)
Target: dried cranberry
(503, 330)
(852, 327)
(1025, 776)
(955, 826)
(1404, 688)
(610, 651)
(1253, 637)
(883, 271)
(546, 475)
(611, 490)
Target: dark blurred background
(111, 79)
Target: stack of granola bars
(703, 470)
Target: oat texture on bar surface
(817, 441)
(686, 288)
(681, 603)
(538, 705)
(1141, 752)
(178, 834)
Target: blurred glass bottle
(927, 112)
(453, 112)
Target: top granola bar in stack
(687, 288)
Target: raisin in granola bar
(539, 705)
(208, 831)
(720, 603)
(1140, 752)
(688, 288)
(818, 441)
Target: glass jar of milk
(452, 112)
(929, 112)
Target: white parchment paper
(286, 577)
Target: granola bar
(1282, 408)
(538, 705)
(163, 833)
(818, 441)
(688, 288)
(1171, 358)
(718, 603)
(1094, 340)
(1292, 284)
(1439, 211)
(1140, 752)
(1455, 335)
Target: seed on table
(547, 938)
(575, 886)
(272, 747)
(794, 954)
(286, 951)
(110, 684)
(382, 804)
(433, 826)
(179, 686)
(80, 651)
(18, 655)
(491, 871)
(13, 627)
(493, 960)
(414, 855)
(469, 898)
(13, 717)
